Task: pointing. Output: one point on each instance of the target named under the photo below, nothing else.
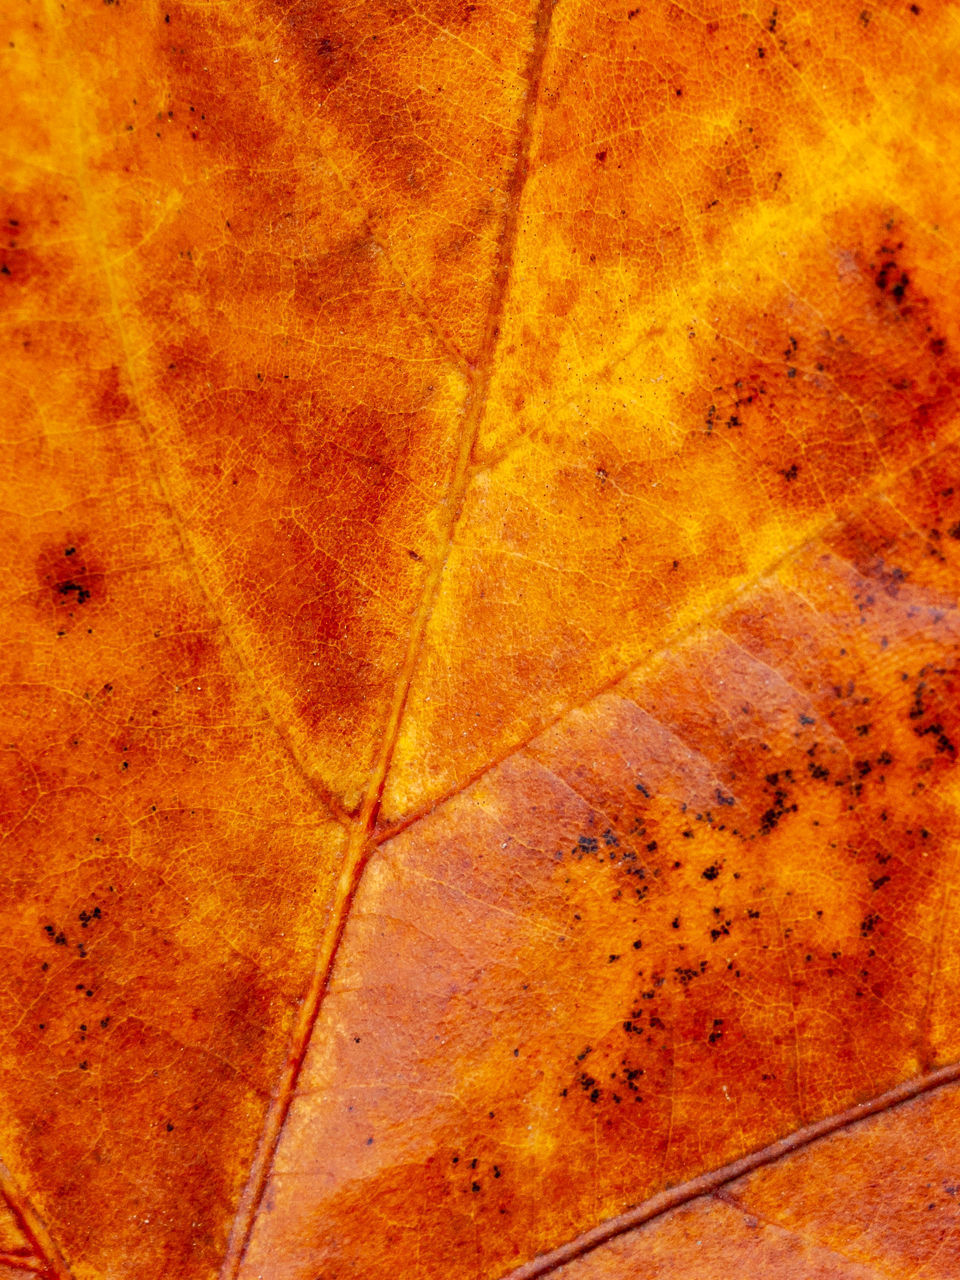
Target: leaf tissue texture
(480, 532)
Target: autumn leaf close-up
(480, 533)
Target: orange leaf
(877, 1198)
(482, 519)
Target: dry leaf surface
(481, 514)
(876, 1201)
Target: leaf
(876, 1199)
(482, 529)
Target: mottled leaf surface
(879, 1200)
(481, 541)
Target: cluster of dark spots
(55, 935)
(717, 1032)
(744, 396)
(919, 709)
(16, 252)
(83, 593)
(73, 581)
(658, 980)
(686, 975)
(819, 772)
(780, 807)
(473, 1185)
(85, 917)
(868, 924)
(707, 816)
(589, 1085)
(711, 872)
(889, 278)
(722, 930)
(941, 742)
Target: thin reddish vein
(673, 638)
(707, 1183)
(359, 845)
(327, 801)
(46, 1259)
